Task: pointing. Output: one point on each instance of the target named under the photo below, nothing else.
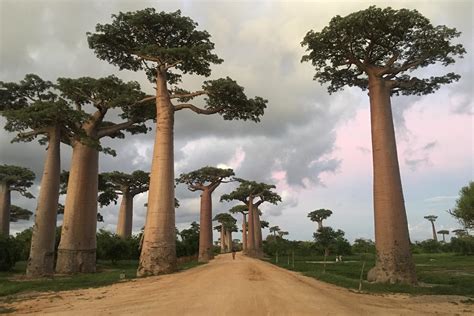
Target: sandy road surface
(242, 286)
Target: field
(445, 274)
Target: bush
(23, 240)
(111, 247)
(463, 245)
(430, 246)
(9, 253)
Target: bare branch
(407, 65)
(146, 57)
(110, 130)
(187, 95)
(193, 108)
(173, 64)
(32, 133)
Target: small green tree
(166, 46)
(379, 49)
(464, 210)
(326, 237)
(12, 178)
(190, 239)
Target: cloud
(441, 198)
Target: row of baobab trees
(374, 49)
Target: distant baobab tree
(378, 50)
(319, 215)
(443, 232)
(432, 219)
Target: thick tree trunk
(41, 260)
(125, 220)
(223, 240)
(435, 237)
(158, 254)
(258, 234)
(251, 229)
(244, 233)
(229, 241)
(77, 248)
(5, 206)
(394, 262)
(205, 222)
(320, 225)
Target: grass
(14, 282)
(443, 274)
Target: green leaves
(19, 214)
(113, 184)
(319, 215)
(134, 39)
(386, 43)
(226, 96)
(254, 189)
(17, 179)
(464, 210)
(206, 176)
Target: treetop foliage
(464, 210)
(17, 179)
(244, 209)
(19, 214)
(227, 220)
(431, 218)
(206, 177)
(134, 40)
(384, 43)
(319, 215)
(113, 184)
(253, 189)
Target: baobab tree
(443, 232)
(33, 109)
(94, 98)
(12, 178)
(206, 179)
(275, 230)
(253, 194)
(319, 215)
(432, 219)
(114, 184)
(227, 226)
(378, 49)
(165, 46)
(243, 209)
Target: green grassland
(442, 273)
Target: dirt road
(242, 286)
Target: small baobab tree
(227, 225)
(432, 219)
(319, 215)
(274, 230)
(243, 209)
(167, 45)
(379, 49)
(443, 232)
(12, 178)
(253, 194)
(206, 180)
(115, 184)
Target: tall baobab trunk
(41, 259)
(158, 254)
(257, 233)
(223, 240)
(320, 224)
(251, 229)
(205, 222)
(125, 220)
(394, 260)
(77, 248)
(5, 206)
(435, 237)
(229, 241)
(244, 233)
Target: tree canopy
(209, 177)
(247, 189)
(464, 210)
(17, 179)
(319, 215)
(113, 184)
(170, 44)
(226, 220)
(385, 43)
(19, 214)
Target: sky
(315, 147)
